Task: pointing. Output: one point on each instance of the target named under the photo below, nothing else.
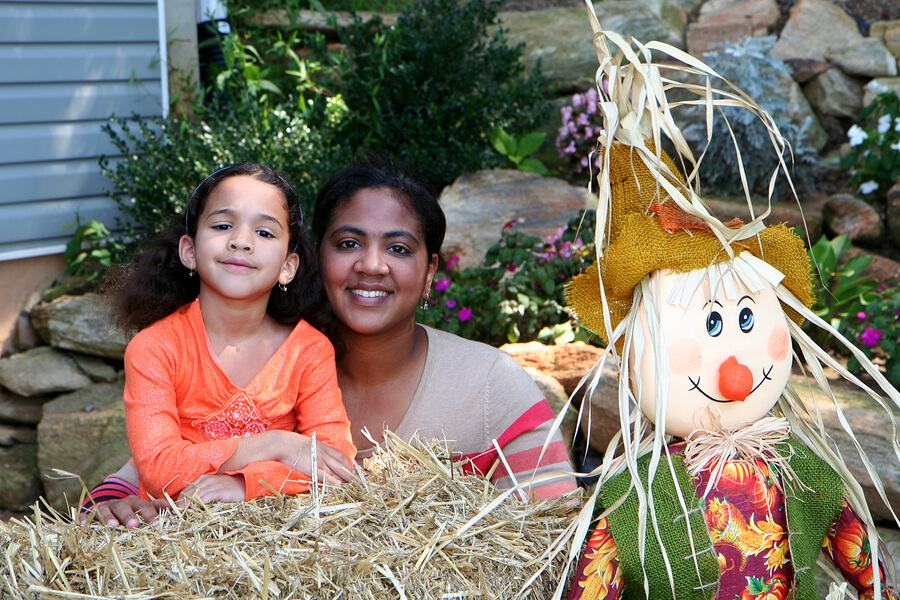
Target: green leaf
(529, 143)
(533, 165)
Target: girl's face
(375, 266)
(731, 356)
(240, 250)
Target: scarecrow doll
(721, 483)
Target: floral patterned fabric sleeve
(598, 574)
(847, 547)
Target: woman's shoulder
(469, 356)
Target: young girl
(225, 379)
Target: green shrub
(874, 157)
(429, 88)
(164, 161)
(517, 295)
(876, 330)
(844, 289)
(751, 67)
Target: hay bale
(414, 528)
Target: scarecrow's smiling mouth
(696, 385)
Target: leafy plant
(90, 250)
(876, 330)
(518, 150)
(874, 156)
(845, 288)
(517, 294)
(429, 88)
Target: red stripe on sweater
(532, 418)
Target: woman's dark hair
(157, 284)
(370, 171)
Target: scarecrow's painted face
(731, 355)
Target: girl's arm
(318, 407)
(165, 460)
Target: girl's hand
(332, 466)
(215, 488)
(127, 511)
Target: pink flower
(441, 285)
(509, 224)
(464, 314)
(452, 261)
(861, 316)
(870, 337)
(451, 304)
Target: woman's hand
(216, 488)
(127, 511)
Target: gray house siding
(65, 67)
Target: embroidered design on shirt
(239, 418)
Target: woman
(379, 235)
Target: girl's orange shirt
(184, 416)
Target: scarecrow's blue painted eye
(745, 319)
(714, 324)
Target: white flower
(896, 146)
(875, 87)
(884, 123)
(897, 124)
(868, 187)
(857, 135)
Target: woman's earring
(283, 287)
(425, 301)
(191, 272)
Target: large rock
(813, 28)
(569, 60)
(882, 269)
(732, 21)
(20, 484)
(41, 371)
(846, 214)
(478, 205)
(834, 93)
(82, 433)
(893, 215)
(80, 323)
(866, 58)
(20, 409)
(889, 33)
(567, 363)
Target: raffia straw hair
(638, 120)
(416, 528)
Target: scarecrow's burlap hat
(649, 216)
(648, 231)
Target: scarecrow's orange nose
(735, 380)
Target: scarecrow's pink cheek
(779, 344)
(685, 356)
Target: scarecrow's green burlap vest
(811, 509)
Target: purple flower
(452, 261)
(582, 120)
(898, 315)
(870, 337)
(451, 304)
(441, 285)
(861, 316)
(464, 314)
(577, 100)
(511, 267)
(566, 112)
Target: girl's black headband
(214, 173)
